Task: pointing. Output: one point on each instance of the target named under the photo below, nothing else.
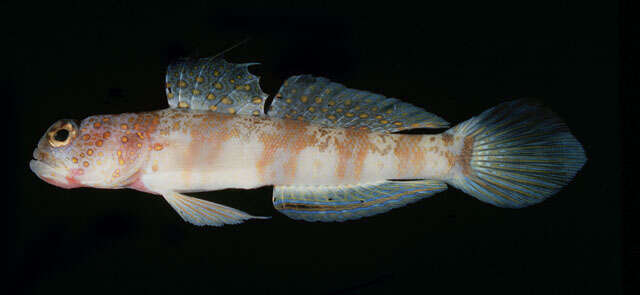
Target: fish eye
(61, 133)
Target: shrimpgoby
(332, 153)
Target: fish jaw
(58, 176)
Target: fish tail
(515, 155)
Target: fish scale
(331, 152)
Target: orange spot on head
(89, 152)
(139, 134)
(96, 125)
(125, 139)
(105, 120)
(139, 145)
(157, 147)
(99, 142)
(74, 159)
(124, 126)
(106, 134)
(85, 164)
(86, 137)
(119, 153)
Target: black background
(72, 60)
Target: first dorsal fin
(216, 85)
(321, 101)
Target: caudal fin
(516, 154)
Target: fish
(330, 152)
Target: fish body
(210, 151)
(330, 152)
(187, 151)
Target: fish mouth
(53, 175)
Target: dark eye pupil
(61, 135)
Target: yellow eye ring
(62, 133)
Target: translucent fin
(321, 101)
(516, 154)
(201, 212)
(216, 85)
(340, 203)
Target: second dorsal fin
(321, 101)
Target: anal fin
(347, 202)
(201, 212)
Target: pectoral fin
(201, 212)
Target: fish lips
(57, 176)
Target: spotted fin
(516, 154)
(347, 202)
(201, 212)
(216, 85)
(331, 104)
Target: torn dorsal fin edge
(320, 101)
(216, 85)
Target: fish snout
(59, 177)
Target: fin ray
(201, 212)
(216, 85)
(520, 154)
(347, 202)
(321, 101)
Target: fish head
(98, 152)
